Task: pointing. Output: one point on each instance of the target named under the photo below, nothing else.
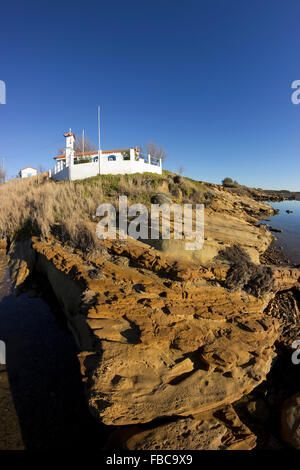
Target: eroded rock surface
(285, 306)
(221, 430)
(21, 261)
(221, 230)
(162, 345)
(162, 338)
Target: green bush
(229, 183)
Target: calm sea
(44, 378)
(289, 239)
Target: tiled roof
(95, 152)
(29, 168)
(68, 134)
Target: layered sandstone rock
(241, 206)
(285, 306)
(160, 346)
(162, 336)
(221, 230)
(218, 430)
(21, 260)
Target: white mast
(99, 141)
(83, 144)
(99, 145)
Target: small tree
(2, 172)
(156, 151)
(2, 175)
(227, 181)
(126, 155)
(89, 146)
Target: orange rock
(162, 338)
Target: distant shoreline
(284, 194)
(263, 195)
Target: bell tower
(69, 151)
(70, 139)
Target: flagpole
(83, 144)
(99, 141)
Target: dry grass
(40, 206)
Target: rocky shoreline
(171, 347)
(262, 409)
(275, 257)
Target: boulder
(161, 198)
(175, 363)
(276, 230)
(290, 421)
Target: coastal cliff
(170, 342)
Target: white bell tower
(69, 151)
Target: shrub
(243, 274)
(178, 179)
(229, 183)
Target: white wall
(84, 170)
(127, 167)
(27, 172)
(108, 167)
(61, 175)
(120, 166)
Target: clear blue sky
(207, 79)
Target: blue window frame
(111, 158)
